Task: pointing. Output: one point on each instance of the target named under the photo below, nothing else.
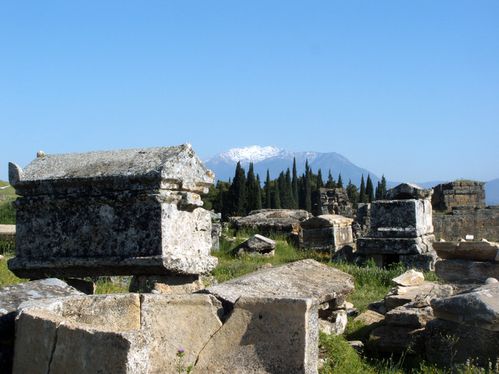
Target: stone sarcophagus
(329, 232)
(126, 212)
(401, 229)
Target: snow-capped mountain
(277, 160)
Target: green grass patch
(8, 278)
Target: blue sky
(405, 88)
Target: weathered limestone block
(401, 218)
(166, 284)
(458, 194)
(264, 335)
(331, 201)
(336, 324)
(326, 233)
(422, 294)
(300, 279)
(462, 271)
(396, 339)
(112, 213)
(467, 250)
(257, 244)
(11, 299)
(395, 246)
(268, 221)
(409, 316)
(7, 232)
(479, 307)
(216, 230)
(126, 333)
(449, 343)
(407, 191)
(409, 278)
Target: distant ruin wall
(482, 223)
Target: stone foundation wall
(482, 223)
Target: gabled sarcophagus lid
(134, 211)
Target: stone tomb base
(146, 333)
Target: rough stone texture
(268, 221)
(11, 298)
(369, 317)
(420, 295)
(458, 194)
(243, 344)
(396, 339)
(448, 343)
(401, 230)
(481, 223)
(112, 213)
(216, 230)
(409, 316)
(7, 231)
(335, 325)
(164, 284)
(479, 307)
(362, 220)
(409, 278)
(467, 250)
(407, 191)
(257, 244)
(127, 333)
(326, 233)
(300, 279)
(462, 271)
(331, 201)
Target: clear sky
(405, 88)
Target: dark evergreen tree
(353, 193)
(340, 182)
(276, 201)
(320, 181)
(252, 189)
(237, 192)
(268, 191)
(294, 184)
(330, 180)
(383, 187)
(288, 200)
(369, 189)
(362, 193)
(308, 189)
(258, 193)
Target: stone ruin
(331, 201)
(327, 232)
(401, 229)
(126, 212)
(458, 194)
(138, 212)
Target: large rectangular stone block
(112, 213)
(401, 218)
(327, 232)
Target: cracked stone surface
(124, 212)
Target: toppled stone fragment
(479, 307)
(336, 324)
(396, 339)
(467, 250)
(462, 271)
(7, 232)
(300, 279)
(267, 221)
(409, 316)
(257, 244)
(369, 317)
(124, 212)
(264, 335)
(409, 278)
(422, 295)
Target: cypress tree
(277, 196)
(251, 189)
(330, 180)
(320, 182)
(377, 194)
(383, 187)
(238, 192)
(362, 192)
(294, 184)
(258, 193)
(340, 182)
(369, 189)
(268, 192)
(288, 201)
(308, 192)
(352, 192)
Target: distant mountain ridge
(276, 160)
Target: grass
(7, 212)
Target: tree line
(245, 192)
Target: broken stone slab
(7, 232)
(462, 271)
(409, 278)
(265, 335)
(147, 200)
(267, 221)
(127, 333)
(467, 250)
(425, 262)
(406, 191)
(164, 284)
(450, 343)
(257, 244)
(301, 279)
(396, 339)
(409, 316)
(12, 297)
(369, 317)
(421, 295)
(479, 307)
